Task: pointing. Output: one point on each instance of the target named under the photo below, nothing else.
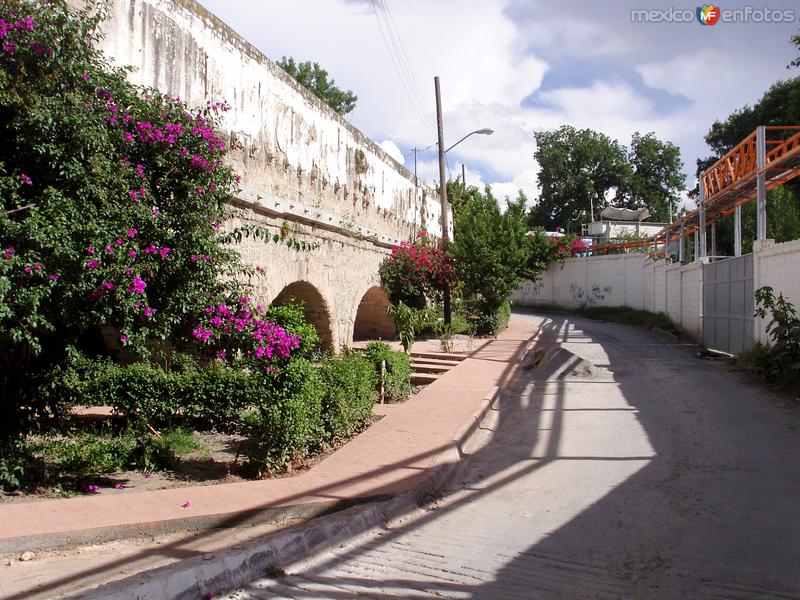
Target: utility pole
(416, 193)
(463, 176)
(442, 192)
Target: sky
(521, 66)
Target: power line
(397, 42)
(400, 71)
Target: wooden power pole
(442, 192)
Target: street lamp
(443, 184)
(485, 131)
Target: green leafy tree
(796, 61)
(315, 79)
(657, 176)
(578, 168)
(780, 105)
(492, 249)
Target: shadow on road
(696, 497)
(702, 506)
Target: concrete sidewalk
(408, 449)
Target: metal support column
(714, 238)
(681, 247)
(737, 231)
(702, 231)
(761, 182)
(696, 245)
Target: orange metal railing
(731, 182)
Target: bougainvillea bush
(417, 272)
(113, 198)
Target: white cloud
(611, 75)
(392, 150)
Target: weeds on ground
(56, 459)
(619, 314)
(779, 362)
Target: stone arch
(371, 319)
(315, 308)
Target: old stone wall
(300, 162)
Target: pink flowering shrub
(244, 334)
(417, 272)
(112, 199)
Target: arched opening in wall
(314, 308)
(371, 319)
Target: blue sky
(520, 66)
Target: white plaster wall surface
(292, 145)
(674, 292)
(690, 298)
(778, 266)
(648, 289)
(299, 161)
(659, 287)
(634, 280)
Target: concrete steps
(441, 356)
(423, 378)
(427, 367)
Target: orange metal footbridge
(767, 158)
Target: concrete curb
(98, 535)
(219, 572)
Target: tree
(315, 79)
(578, 169)
(492, 251)
(657, 176)
(796, 62)
(780, 105)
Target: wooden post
(442, 191)
(383, 379)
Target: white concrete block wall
(778, 266)
(659, 287)
(605, 281)
(648, 297)
(690, 298)
(674, 298)
(653, 285)
(634, 280)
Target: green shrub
(349, 392)
(292, 318)
(783, 329)
(213, 398)
(486, 319)
(286, 419)
(145, 394)
(14, 464)
(203, 398)
(757, 359)
(397, 377)
(408, 322)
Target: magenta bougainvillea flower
(137, 286)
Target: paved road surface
(621, 467)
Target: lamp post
(484, 131)
(443, 184)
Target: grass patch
(87, 454)
(180, 442)
(761, 360)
